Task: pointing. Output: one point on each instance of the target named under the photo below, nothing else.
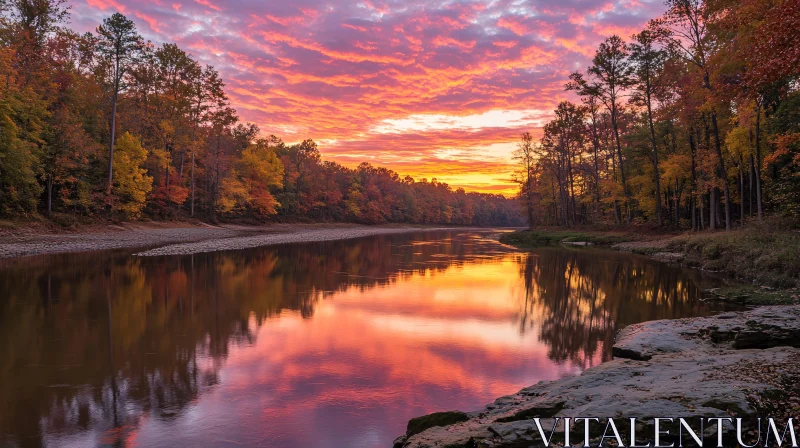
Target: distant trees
(699, 124)
(174, 145)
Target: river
(333, 344)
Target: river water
(332, 344)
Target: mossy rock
(418, 424)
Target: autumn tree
(684, 28)
(608, 77)
(525, 156)
(119, 45)
(132, 183)
(648, 62)
(247, 186)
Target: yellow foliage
(260, 164)
(739, 141)
(131, 182)
(247, 185)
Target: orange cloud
(339, 71)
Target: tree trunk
(166, 185)
(656, 174)
(621, 165)
(596, 145)
(571, 187)
(702, 211)
(712, 209)
(693, 186)
(192, 206)
(677, 205)
(722, 173)
(741, 189)
(49, 195)
(750, 190)
(758, 158)
(113, 137)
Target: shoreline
(182, 239)
(731, 364)
(740, 364)
(761, 263)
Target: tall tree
(609, 76)
(120, 45)
(685, 30)
(648, 62)
(526, 158)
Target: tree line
(107, 125)
(694, 122)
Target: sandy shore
(177, 239)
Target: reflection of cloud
(360, 366)
(336, 343)
(349, 71)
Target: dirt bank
(762, 262)
(174, 239)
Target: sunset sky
(427, 88)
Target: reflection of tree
(578, 299)
(93, 342)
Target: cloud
(387, 79)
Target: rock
(398, 442)
(576, 243)
(541, 411)
(669, 257)
(626, 353)
(419, 424)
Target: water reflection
(329, 344)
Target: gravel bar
(299, 236)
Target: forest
(693, 123)
(108, 126)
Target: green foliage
(19, 189)
(536, 238)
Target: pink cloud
(334, 70)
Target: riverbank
(743, 364)
(763, 260)
(181, 238)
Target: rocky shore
(184, 239)
(734, 364)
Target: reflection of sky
(325, 344)
(368, 361)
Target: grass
(9, 225)
(755, 295)
(761, 255)
(766, 256)
(544, 237)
